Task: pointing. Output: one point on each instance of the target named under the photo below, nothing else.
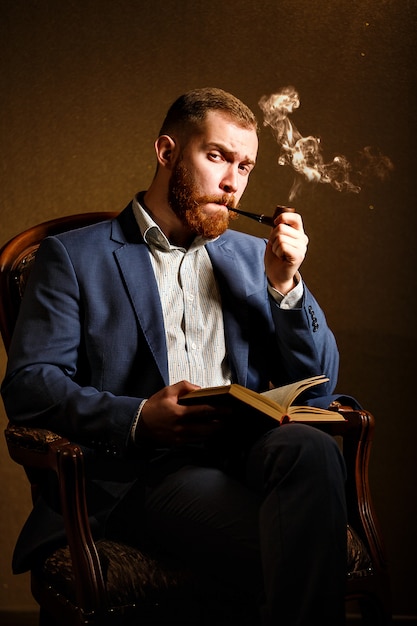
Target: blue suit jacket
(90, 345)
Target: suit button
(313, 319)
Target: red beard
(187, 204)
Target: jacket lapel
(138, 276)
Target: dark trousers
(275, 529)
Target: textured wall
(84, 85)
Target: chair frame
(38, 450)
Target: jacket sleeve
(306, 343)
(45, 383)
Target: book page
(313, 414)
(286, 395)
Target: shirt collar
(153, 235)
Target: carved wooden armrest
(33, 447)
(357, 443)
(39, 449)
(356, 436)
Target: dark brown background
(84, 86)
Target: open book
(276, 403)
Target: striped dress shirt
(191, 307)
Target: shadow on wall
(380, 371)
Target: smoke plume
(305, 154)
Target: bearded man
(122, 318)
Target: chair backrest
(16, 259)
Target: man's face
(211, 174)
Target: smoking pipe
(265, 219)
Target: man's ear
(166, 151)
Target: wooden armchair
(106, 582)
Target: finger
(183, 387)
(289, 249)
(287, 233)
(290, 219)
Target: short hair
(187, 113)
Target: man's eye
(214, 156)
(244, 169)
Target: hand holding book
(277, 403)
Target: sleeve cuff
(293, 299)
(136, 422)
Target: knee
(302, 449)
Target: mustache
(228, 201)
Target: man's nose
(229, 181)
